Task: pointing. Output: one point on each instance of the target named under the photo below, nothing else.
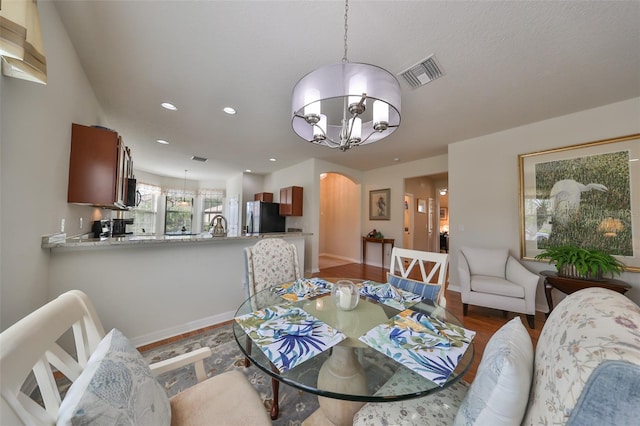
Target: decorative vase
(345, 295)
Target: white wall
(484, 184)
(36, 137)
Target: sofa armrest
(518, 274)
(195, 357)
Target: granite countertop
(139, 240)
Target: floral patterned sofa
(586, 371)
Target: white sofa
(586, 371)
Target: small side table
(381, 241)
(570, 285)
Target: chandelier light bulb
(380, 116)
(356, 130)
(320, 129)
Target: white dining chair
(433, 270)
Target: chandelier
(346, 104)
(184, 202)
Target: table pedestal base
(341, 373)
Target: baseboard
(166, 333)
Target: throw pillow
(116, 387)
(500, 391)
(427, 291)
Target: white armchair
(494, 279)
(110, 380)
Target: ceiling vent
(200, 159)
(422, 73)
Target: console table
(381, 241)
(570, 285)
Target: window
(212, 203)
(145, 212)
(178, 215)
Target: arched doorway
(339, 224)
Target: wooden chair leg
(275, 386)
(248, 349)
(465, 309)
(275, 408)
(531, 319)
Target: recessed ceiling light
(229, 110)
(272, 159)
(169, 106)
(248, 170)
(162, 141)
(396, 159)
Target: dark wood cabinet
(99, 167)
(267, 197)
(291, 201)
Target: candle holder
(345, 295)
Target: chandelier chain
(346, 28)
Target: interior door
(408, 221)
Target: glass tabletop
(351, 356)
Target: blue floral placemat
(303, 288)
(426, 345)
(389, 295)
(288, 335)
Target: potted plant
(577, 262)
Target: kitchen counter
(141, 240)
(152, 288)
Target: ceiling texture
(505, 64)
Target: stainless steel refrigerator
(263, 218)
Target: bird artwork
(565, 198)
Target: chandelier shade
(346, 104)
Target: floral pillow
(116, 387)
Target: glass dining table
(350, 373)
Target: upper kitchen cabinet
(100, 168)
(291, 201)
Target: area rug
(295, 405)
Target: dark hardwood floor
(483, 321)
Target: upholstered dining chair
(271, 261)
(494, 279)
(404, 260)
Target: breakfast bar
(152, 288)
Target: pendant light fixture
(184, 202)
(346, 104)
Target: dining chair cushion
(426, 291)
(229, 393)
(437, 409)
(116, 387)
(500, 391)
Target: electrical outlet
(81, 223)
(62, 225)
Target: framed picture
(379, 205)
(443, 213)
(422, 206)
(586, 195)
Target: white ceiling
(506, 64)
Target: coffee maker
(101, 228)
(121, 227)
